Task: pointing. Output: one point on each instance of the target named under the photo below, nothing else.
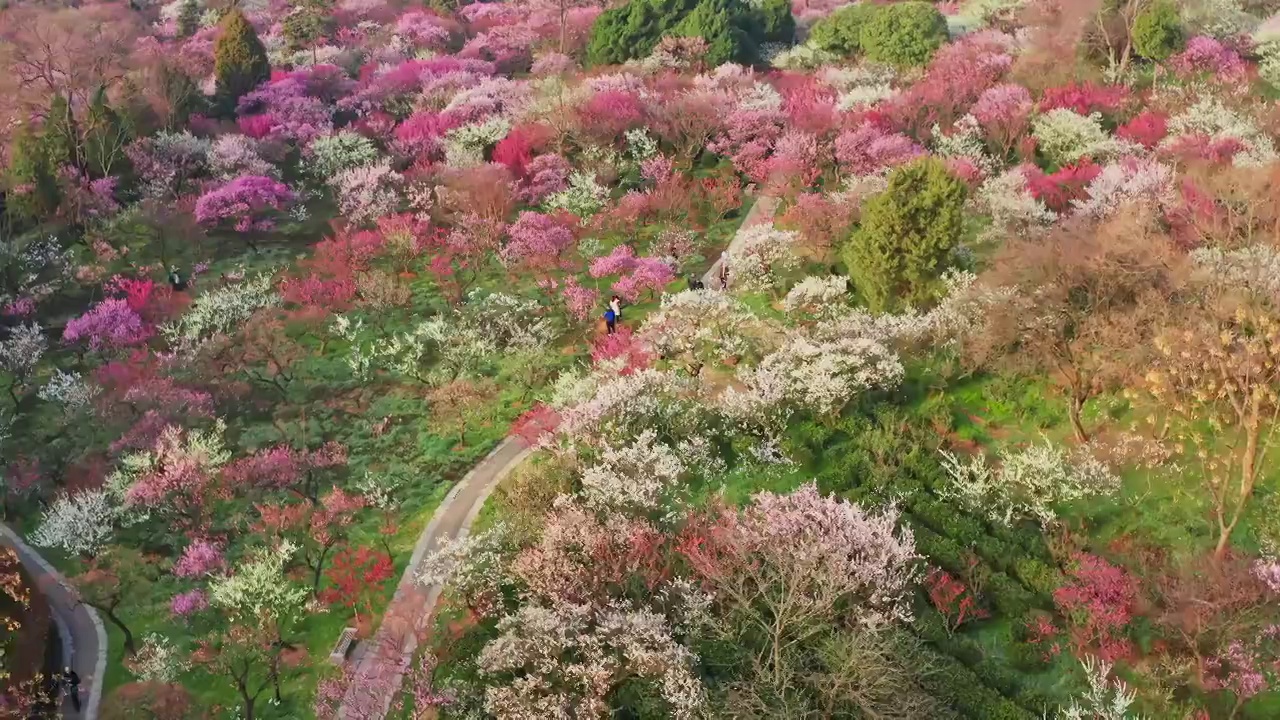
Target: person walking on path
(724, 276)
(71, 681)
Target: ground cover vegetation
(982, 425)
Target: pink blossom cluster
(188, 603)
(1085, 98)
(109, 324)
(537, 241)
(1207, 56)
(247, 200)
(869, 150)
(200, 558)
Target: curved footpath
(84, 639)
(380, 667)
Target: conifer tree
(188, 18)
(240, 61)
(31, 185)
(105, 136)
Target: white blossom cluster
(329, 155)
(817, 298)
(1210, 117)
(624, 406)
(69, 390)
(476, 566)
(1064, 136)
(221, 311)
(704, 325)
(762, 251)
(1027, 483)
(80, 524)
(464, 146)
(802, 57)
(584, 197)
(636, 477)
(511, 322)
(22, 350)
(1255, 268)
(1008, 200)
(1217, 18)
(259, 589)
(640, 145)
(967, 141)
(235, 154)
(367, 192)
(805, 374)
(379, 489)
(158, 660)
(1106, 698)
(566, 658)
(1121, 183)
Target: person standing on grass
(610, 320)
(615, 304)
(724, 276)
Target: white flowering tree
(760, 254)
(1106, 699)
(702, 326)
(819, 377)
(1028, 483)
(638, 477)
(221, 311)
(20, 352)
(69, 390)
(565, 660)
(258, 589)
(79, 524)
(158, 660)
(817, 298)
(622, 407)
(584, 197)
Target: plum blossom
(200, 558)
(368, 192)
(188, 603)
(701, 326)
(80, 524)
(110, 323)
(639, 476)
(758, 254)
(817, 298)
(247, 199)
(869, 150)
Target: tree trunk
(129, 646)
(1248, 476)
(1075, 407)
(315, 576)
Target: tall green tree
(905, 33)
(61, 136)
(239, 60)
(308, 24)
(720, 22)
(908, 236)
(31, 183)
(632, 30)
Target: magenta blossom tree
(107, 325)
(249, 203)
(537, 242)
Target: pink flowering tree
(580, 302)
(200, 558)
(188, 603)
(651, 275)
(1003, 111)
(109, 324)
(1205, 57)
(869, 150)
(1100, 600)
(282, 467)
(538, 242)
(249, 204)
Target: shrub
(960, 688)
(1157, 31)
(907, 236)
(841, 31)
(906, 33)
(239, 60)
(716, 21)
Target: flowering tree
(251, 201)
(179, 475)
(358, 576)
(20, 352)
(788, 564)
(1100, 599)
(368, 192)
(109, 324)
(80, 524)
(199, 559)
(282, 467)
(314, 530)
(1027, 483)
(817, 298)
(537, 242)
(762, 253)
(701, 326)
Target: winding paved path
(84, 639)
(379, 670)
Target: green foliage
(1157, 31)
(188, 18)
(906, 33)
(31, 183)
(239, 60)
(841, 31)
(309, 22)
(772, 21)
(907, 236)
(714, 21)
(632, 30)
(61, 134)
(182, 97)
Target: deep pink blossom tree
(869, 150)
(1206, 57)
(188, 603)
(649, 274)
(282, 467)
(537, 242)
(1100, 600)
(109, 324)
(200, 558)
(1147, 129)
(1085, 98)
(249, 203)
(545, 175)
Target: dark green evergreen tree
(60, 137)
(307, 24)
(721, 23)
(771, 21)
(632, 30)
(908, 236)
(905, 33)
(240, 61)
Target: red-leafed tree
(954, 600)
(1100, 600)
(316, 529)
(358, 577)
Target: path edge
(25, 551)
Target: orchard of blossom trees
(974, 416)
